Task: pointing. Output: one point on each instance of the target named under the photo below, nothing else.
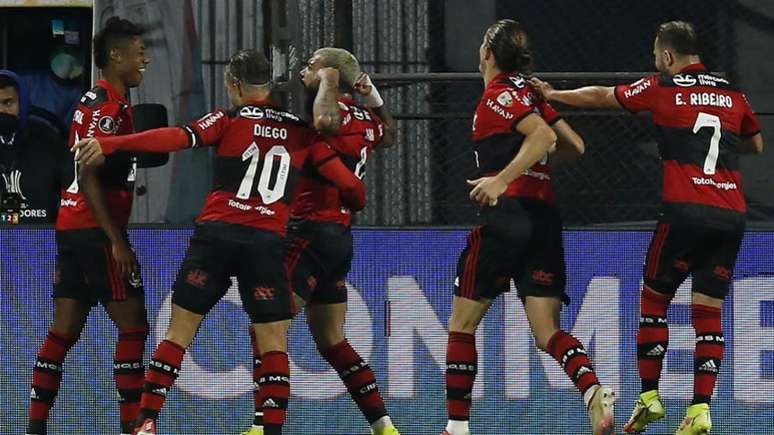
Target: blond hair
(345, 62)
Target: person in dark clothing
(33, 159)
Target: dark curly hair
(117, 31)
(508, 41)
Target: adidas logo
(656, 351)
(160, 391)
(709, 367)
(34, 394)
(582, 371)
(270, 403)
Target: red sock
(652, 337)
(572, 356)
(258, 416)
(359, 379)
(162, 372)
(274, 390)
(47, 373)
(461, 369)
(129, 374)
(708, 353)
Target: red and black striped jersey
(360, 132)
(260, 153)
(102, 112)
(508, 98)
(701, 117)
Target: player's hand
(543, 89)
(486, 190)
(328, 74)
(363, 85)
(124, 258)
(88, 152)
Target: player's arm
(569, 145)
(374, 101)
(751, 145)
(207, 131)
(538, 139)
(752, 141)
(325, 110)
(329, 165)
(592, 97)
(95, 198)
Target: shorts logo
(722, 273)
(264, 293)
(135, 280)
(542, 277)
(681, 265)
(107, 125)
(311, 282)
(341, 285)
(197, 278)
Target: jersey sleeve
(320, 152)
(209, 129)
(508, 105)
(378, 134)
(101, 121)
(638, 96)
(750, 125)
(548, 112)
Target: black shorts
(318, 260)
(520, 239)
(218, 251)
(86, 270)
(678, 249)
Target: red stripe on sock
(557, 347)
(461, 349)
(277, 363)
(54, 348)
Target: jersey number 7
(712, 121)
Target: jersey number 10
(268, 194)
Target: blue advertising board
(400, 300)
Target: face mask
(8, 123)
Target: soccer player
(241, 230)
(705, 123)
(320, 252)
(95, 262)
(516, 136)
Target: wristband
(373, 99)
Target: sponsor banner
(400, 299)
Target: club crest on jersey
(251, 112)
(505, 99)
(107, 125)
(518, 81)
(684, 80)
